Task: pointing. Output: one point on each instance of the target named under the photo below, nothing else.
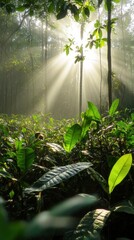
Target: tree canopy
(60, 8)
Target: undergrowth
(44, 161)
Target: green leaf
(93, 112)
(119, 171)
(101, 43)
(62, 14)
(57, 175)
(25, 158)
(104, 39)
(122, 126)
(86, 11)
(95, 32)
(74, 204)
(11, 194)
(100, 33)
(91, 8)
(63, 11)
(73, 8)
(91, 225)
(12, 231)
(58, 216)
(21, 8)
(97, 24)
(44, 224)
(85, 125)
(71, 137)
(114, 107)
(76, 17)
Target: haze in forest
(36, 76)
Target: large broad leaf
(56, 176)
(71, 137)
(119, 171)
(91, 225)
(74, 204)
(114, 107)
(58, 217)
(25, 158)
(93, 112)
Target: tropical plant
(92, 224)
(77, 132)
(96, 150)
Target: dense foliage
(94, 155)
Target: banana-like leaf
(119, 171)
(91, 225)
(56, 176)
(25, 158)
(93, 112)
(114, 107)
(71, 137)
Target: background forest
(66, 120)
(36, 76)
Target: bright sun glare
(66, 73)
(72, 30)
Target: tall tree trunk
(109, 77)
(81, 72)
(44, 60)
(46, 57)
(32, 64)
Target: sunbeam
(63, 74)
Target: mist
(36, 75)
